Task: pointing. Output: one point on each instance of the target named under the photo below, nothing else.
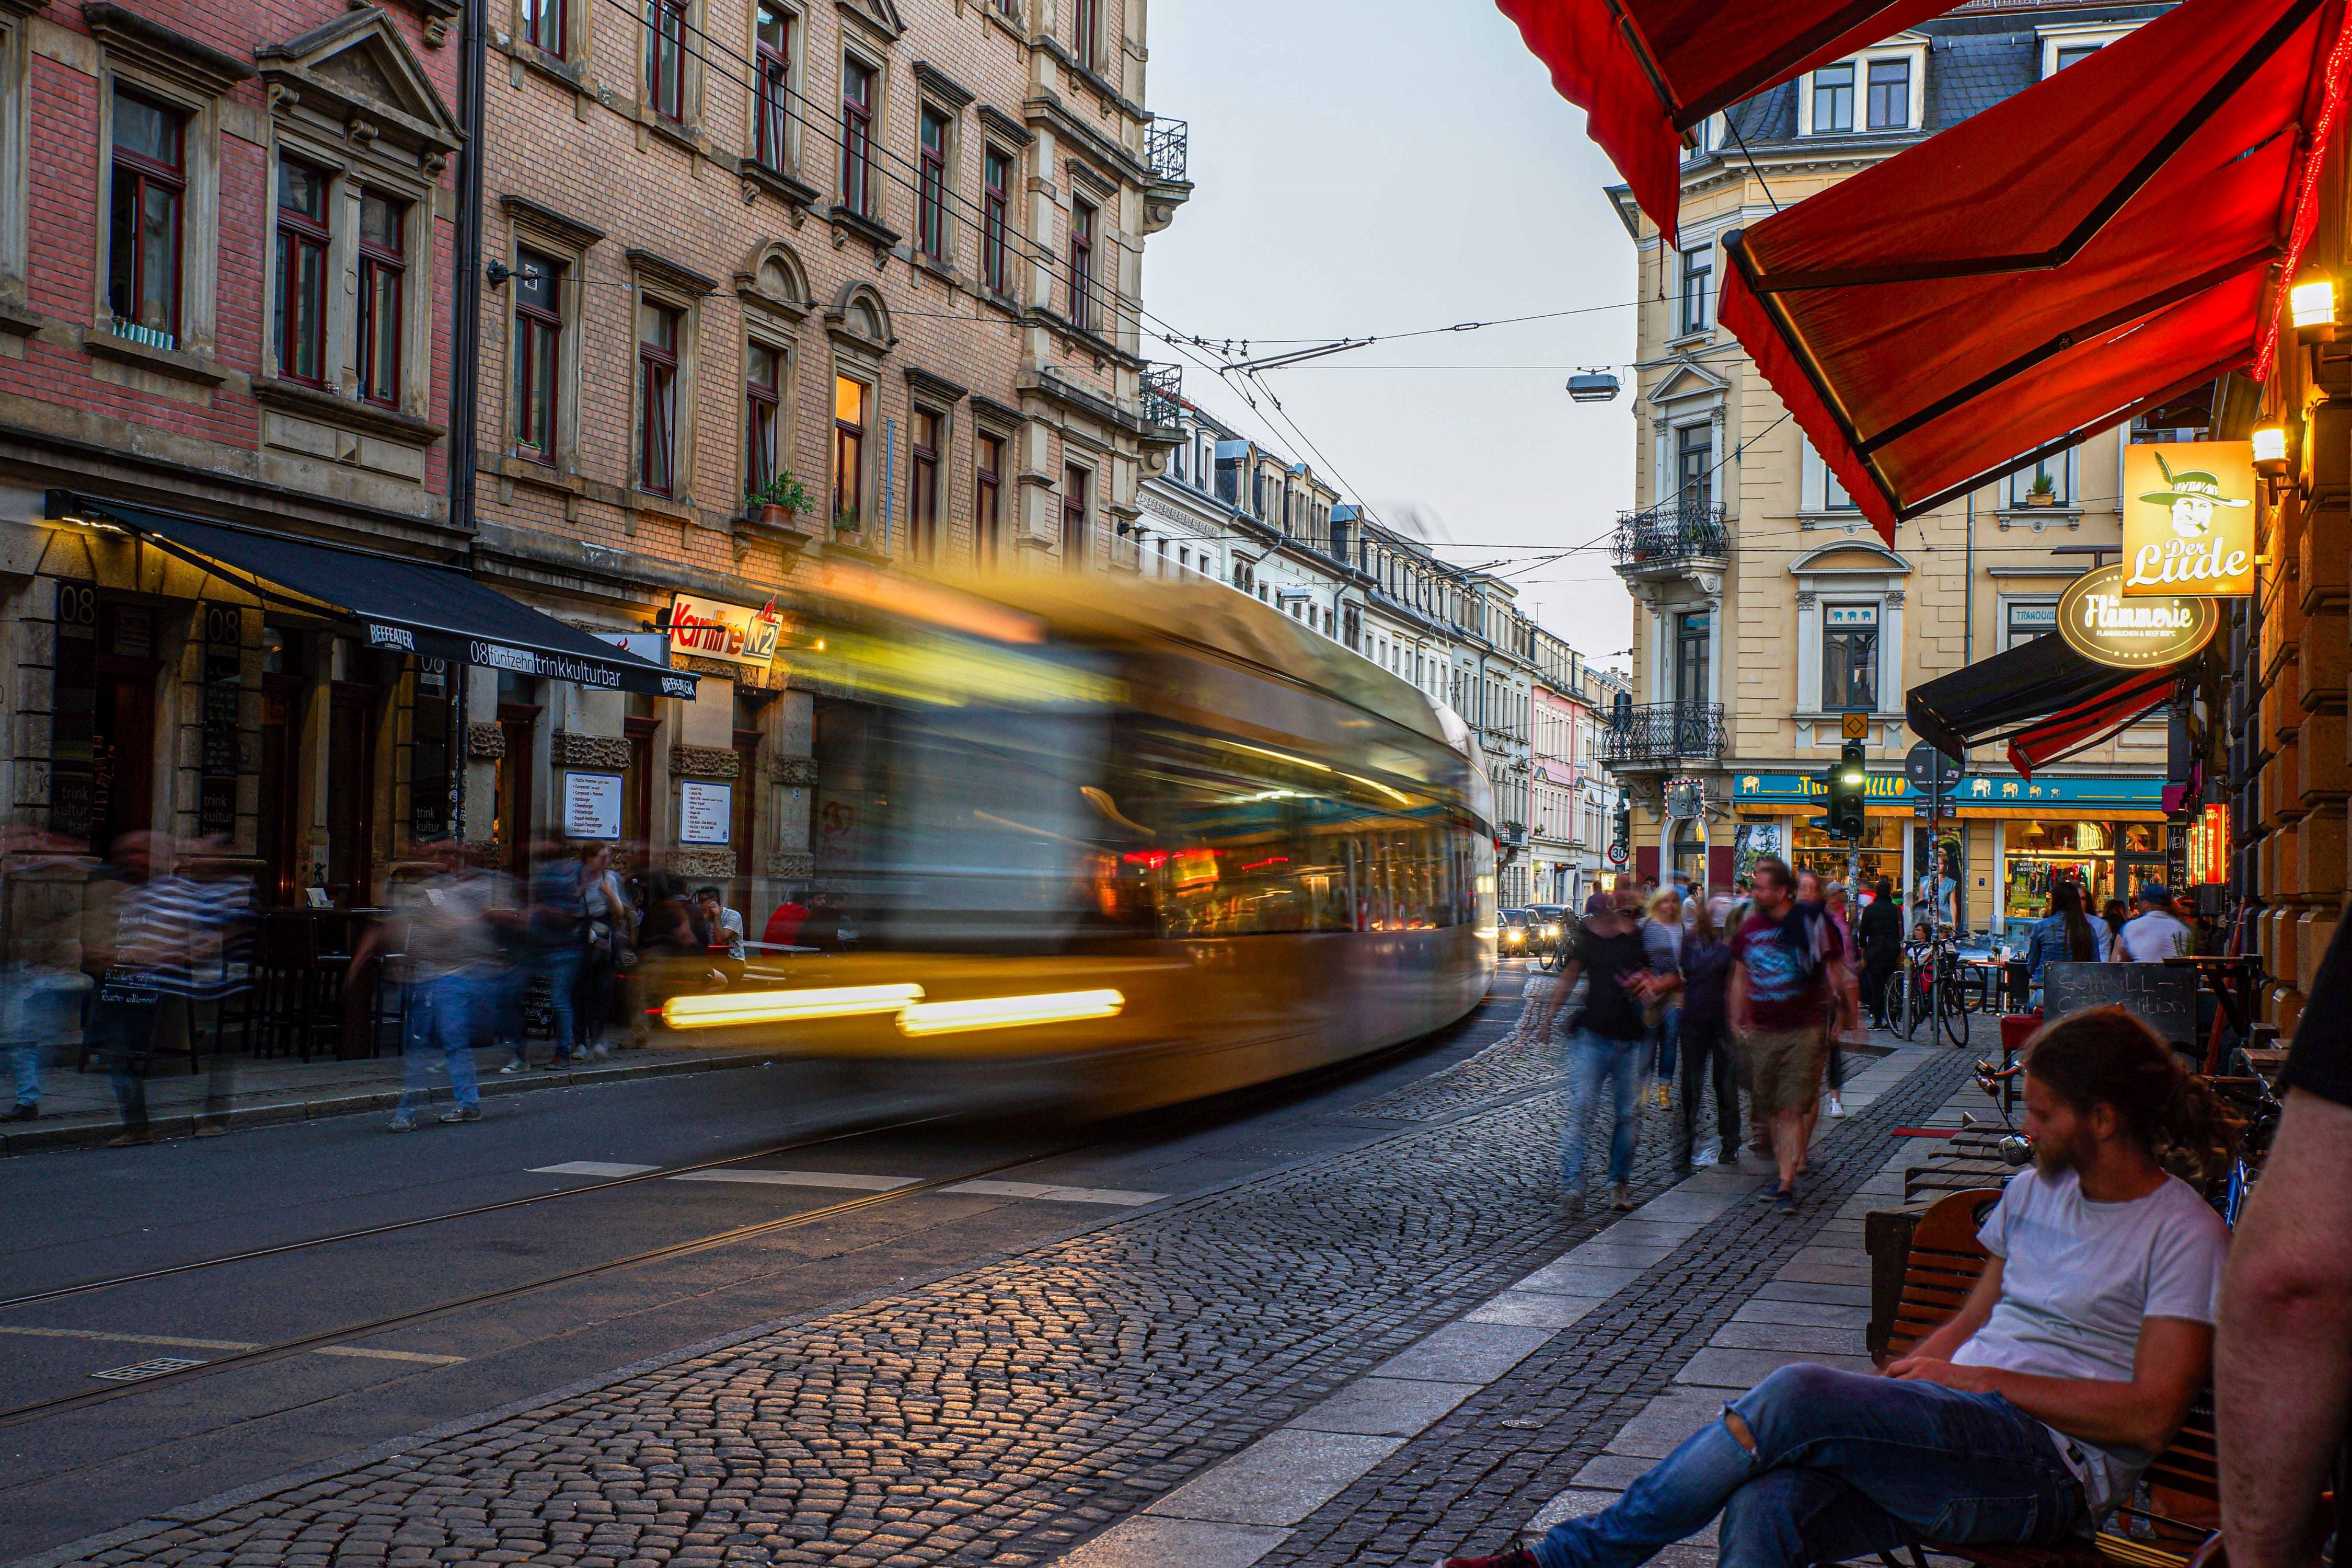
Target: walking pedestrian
(1706, 1040)
(557, 926)
(2113, 915)
(1607, 1043)
(452, 951)
(1846, 1007)
(1662, 939)
(1539, 1011)
(1781, 964)
(1880, 930)
(611, 924)
(41, 989)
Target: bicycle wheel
(1951, 1012)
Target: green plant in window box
(779, 502)
(2044, 491)
(845, 520)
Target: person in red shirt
(784, 925)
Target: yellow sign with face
(2189, 519)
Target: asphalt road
(82, 1215)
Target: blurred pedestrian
(1781, 965)
(556, 923)
(1706, 1040)
(612, 925)
(1539, 1010)
(2113, 915)
(453, 950)
(41, 989)
(1847, 1005)
(783, 928)
(1662, 940)
(1880, 934)
(1608, 1045)
(1595, 902)
(822, 930)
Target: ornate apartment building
(1767, 611)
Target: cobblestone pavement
(1475, 1476)
(994, 1416)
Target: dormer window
(1878, 90)
(1833, 99)
(1890, 95)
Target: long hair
(2066, 900)
(2105, 1056)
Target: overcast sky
(1368, 167)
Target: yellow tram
(1125, 848)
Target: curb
(91, 1134)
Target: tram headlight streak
(787, 1007)
(919, 1019)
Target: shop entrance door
(351, 795)
(519, 726)
(102, 744)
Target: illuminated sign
(2189, 519)
(711, 628)
(2105, 627)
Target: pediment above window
(1685, 382)
(880, 15)
(357, 71)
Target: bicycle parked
(1933, 983)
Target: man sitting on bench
(2032, 1413)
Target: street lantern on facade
(2312, 302)
(2270, 453)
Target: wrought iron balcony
(1163, 394)
(1658, 734)
(1165, 147)
(1665, 537)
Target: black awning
(2029, 682)
(404, 605)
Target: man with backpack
(1784, 971)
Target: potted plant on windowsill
(2043, 493)
(779, 502)
(845, 522)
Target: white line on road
(131, 1339)
(419, 1356)
(592, 1168)
(1059, 1194)
(803, 1179)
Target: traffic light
(1625, 824)
(1850, 791)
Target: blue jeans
(1668, 1036)
(1590, 1059)
(1845, 1465)
(561, 968)
(440, 1013)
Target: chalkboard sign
(2162, 997)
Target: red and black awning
(2041, 698)
(1645, 71)
(2081, 252)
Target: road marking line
(131, 1339)
(388, 1355)
(1112, 1195)
(592, 1168)
(803, 1179)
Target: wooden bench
(2178, 1529)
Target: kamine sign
(2189, 519)
(2103, 625)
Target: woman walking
(1706, 1041)
(1880, 930)
(1661, 943)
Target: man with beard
(2034, 1411)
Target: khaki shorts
(1784, 1068)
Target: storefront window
(433, 726)
(2039, 855)
(1881, 853)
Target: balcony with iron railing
(1660, 734)
(1166, 146)
(1671, 538)
(1163, 394)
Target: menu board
(706, 811)
(2160, 997)
(592, 805)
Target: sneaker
(1769, 1191)
(1784, 1198)
(131, 1139)
(560, 1064)
(404, 1122)
(462, 1113)
(24, 1111)
(1517, 1557)
(1707, 1155)
(1837, 1106)
(514, 1067)
(1573, 1207)
(1622, 1199)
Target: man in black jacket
(1880, 935)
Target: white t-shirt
(2077, 1280)
(2151, 938)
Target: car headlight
(1514, 935)
(1551, 931)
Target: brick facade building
(890, 252)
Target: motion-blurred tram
(1125, 849)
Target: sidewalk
(78, 1108)
(1433, 1451)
